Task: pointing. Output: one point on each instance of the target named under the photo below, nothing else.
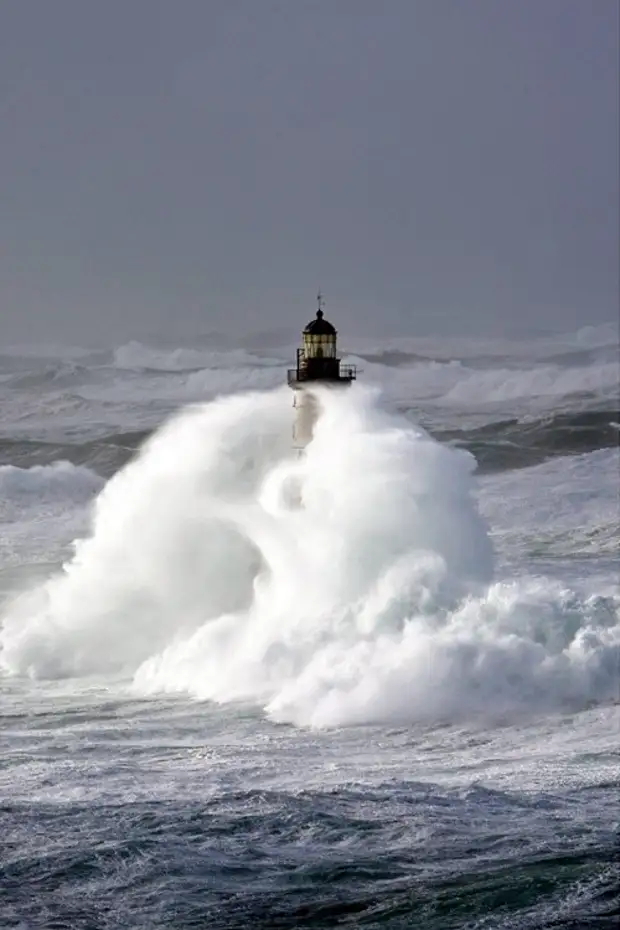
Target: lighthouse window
(319, 346)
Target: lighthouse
(318, 365)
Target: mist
(170, 170)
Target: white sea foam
(352, 584)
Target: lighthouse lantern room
(317, 365)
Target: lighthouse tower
(317, 365)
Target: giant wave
(355, 583)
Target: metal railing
(345, 373)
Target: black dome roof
(320, 326)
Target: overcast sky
(175, 166)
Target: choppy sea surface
(374, 686)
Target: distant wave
(547, 383)
(589, 356)
(394, 358)
(41, 482)
(55, 376)
(486, 384)
(572, 357)
(515, 443)
(136, 356)
(104, 455)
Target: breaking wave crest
(352, 584)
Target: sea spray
(351, 584)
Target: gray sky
(175, 166)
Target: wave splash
(352, 584)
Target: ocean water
(374, 686)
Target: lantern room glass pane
(319, 346)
